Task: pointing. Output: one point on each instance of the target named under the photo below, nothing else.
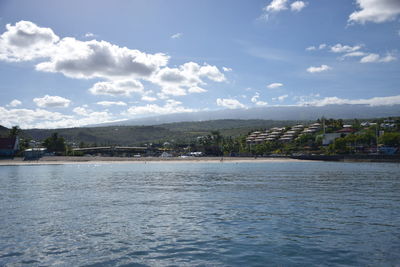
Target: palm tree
(14, 131)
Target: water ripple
(287, 213)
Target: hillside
(136, 135)
(113, 135)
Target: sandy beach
(104, 160)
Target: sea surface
(200, 214)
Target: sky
(74, 63)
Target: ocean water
(200, 214)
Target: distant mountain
(294, 113)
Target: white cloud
(370, 58)
(255, 100)
(81, 111)
(74, 58)
(117, 88)
(90, 35)
(100, 59)
(111, 103)
(171, 106)
(276, 6)
(280, 98)
(14, 103)
(376, 11)
(261, 103)
(339, 48)
(26, 41)
(176, 81)
(275, 85)
(27, 118)
(318, 69)
(229, 103)
(375, 58)
(375, 101)
(176, 35)
(313, 48)
(226, 69)
(354, 54)
(52, 102)
(196, 89)
(121, 69)
(297, 6)
(149, 98)
(388, 58)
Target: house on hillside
(8, 146)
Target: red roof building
(346, 130)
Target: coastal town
(324, 137)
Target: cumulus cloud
(111, 103)
(74, 58)
(28, 118)
(117, 88)
(375, 58)
(186, 78)
(276, 6)
(171, 106)
(52, 102)
(100, 59)
(121, 70)
(176, 35)
(339, 48)
(255, 100)
(229, 103)
(26, 41)
(274, 85)
(297, 6)
(318, 69)
(226, 69)
(375, 101)
(376, 11)
(14, 103)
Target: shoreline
(62, 160)
(67, 160)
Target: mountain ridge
(300, 113)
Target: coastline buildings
(9, 146)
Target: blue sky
(72, 63)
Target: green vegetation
(221, 137)
(54, 143)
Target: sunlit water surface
(184, 214)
